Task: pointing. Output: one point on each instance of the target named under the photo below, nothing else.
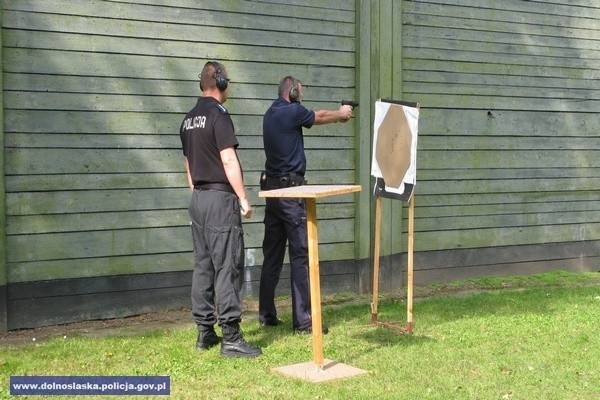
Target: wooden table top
(310, 191)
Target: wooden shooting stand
(409, 286)
(320, 369)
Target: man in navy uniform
(285, 219)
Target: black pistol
(350, 103)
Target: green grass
(533, 337)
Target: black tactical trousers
(218, 258)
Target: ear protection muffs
(294, 94)
(220, 80)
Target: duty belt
(291, 179)
(223, 187)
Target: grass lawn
(531, 337)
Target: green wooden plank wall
(509, 144)
(94, 93)
(3, 271)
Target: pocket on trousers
(227, 246)
(299, 222)
(237, 246)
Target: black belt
(223, 187)
(288, 180)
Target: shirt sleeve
(225, 133)
(304, 116)
(183, 140)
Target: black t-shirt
(205, 131)
(282, 137)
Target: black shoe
(207, 339)
(273, 322)
(239, 348)
(308, 331)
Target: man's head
(290, 89)
(214, 80)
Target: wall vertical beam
(379, 75)
(380, 28)
(363, 237)
(3, 267)
(391, 216)
(389, 70)
(395, 13)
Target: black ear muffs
(221, 81)
(294, 94)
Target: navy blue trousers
(285, 222)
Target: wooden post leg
(409, 284)
(375, 301)
(315, 284)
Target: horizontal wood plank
(104, 161)
(32, 271)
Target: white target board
(394, 162)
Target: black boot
(234, 344)
(207, 338)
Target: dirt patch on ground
(123, 326)
(117, 326)
(100, 328)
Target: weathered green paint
(106, 161)
(212, 14)
(94, 93)
(153, 67)
(508, 135)
(397, 223)
(3, 264)
(141, 240)
(500, 236)
(97, 173)
(63, 222)
(36, 183)
(70, 268)
(387, 83)
(363, 223)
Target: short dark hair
(286, 84)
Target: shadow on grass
(542, 301)
(430, 312)
(447, 308)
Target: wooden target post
(394, 168)
(408, 328)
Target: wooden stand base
(396, 326)
(309, 371)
